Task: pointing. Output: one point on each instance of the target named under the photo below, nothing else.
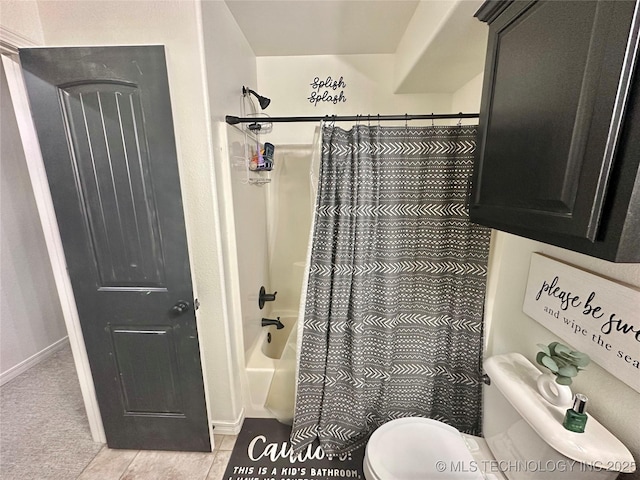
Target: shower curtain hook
(378, 120)
(369, 120)
(406, 121)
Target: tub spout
(269, 321)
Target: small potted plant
(563, 364)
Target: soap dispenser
(576, 418)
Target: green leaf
(561, 362)
(544, 349)
(550, 364)
(568, 371)
(567, 356)
(581, 359)
(573, 353)
(563, 380)
(562, 349)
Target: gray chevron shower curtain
(393, 312)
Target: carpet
(262, 452)
(44, 432)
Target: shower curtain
(393, 312)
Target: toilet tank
(526, 436)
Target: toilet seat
(416, 448)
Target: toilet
(523, 439)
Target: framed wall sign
(592, 314)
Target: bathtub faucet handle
(269, 321)
(263, 297)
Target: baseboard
(228, 428)
(33, 360)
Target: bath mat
(262, 452)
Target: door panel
(148, 370)
(103, 118)
(103, 128)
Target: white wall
(22, 17)
(443, 47)
(231, 65)
(424, 26)
(175, 24)
(467, 98)
(369, 90)
(508, 329)
(31, 321)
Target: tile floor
(155, 465)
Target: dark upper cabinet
(559, 136)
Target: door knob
(180, 307)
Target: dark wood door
(556, 85)
(103, 117)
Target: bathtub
(262, 361)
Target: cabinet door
(556, 82)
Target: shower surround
(272, 226)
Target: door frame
(9, 44)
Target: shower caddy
(256, 173)
(252, 146)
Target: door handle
(180, 307)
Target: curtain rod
(232, 120)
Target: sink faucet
(269, 321)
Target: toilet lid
(418, 448)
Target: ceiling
(322, 27)
(438, 44)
